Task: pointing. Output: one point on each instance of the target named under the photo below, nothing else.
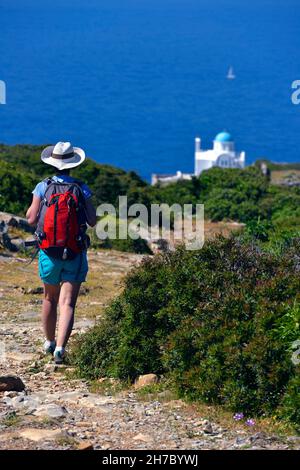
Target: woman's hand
(33, 210)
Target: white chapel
(222, 154)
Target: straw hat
(63, 155)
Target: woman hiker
(61, 208)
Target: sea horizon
(134, 84)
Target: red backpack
(61, 223)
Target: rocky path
(56, 411)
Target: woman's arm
(33, 210)
(90, 213)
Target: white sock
(48, 344)
(60, 349)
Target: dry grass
(283, 176)
(212, 229)
(107, 269)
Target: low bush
(139, 245)
(218, 322)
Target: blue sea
(133, 82)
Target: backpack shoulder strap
(77, 182)
(48, 180)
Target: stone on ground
(85, 446)
(51, 411)
(144, 380)
(40, 434)
(11, 383)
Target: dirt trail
(58, 412)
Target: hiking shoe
(49, 347)
(59, 355)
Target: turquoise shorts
(54, 271)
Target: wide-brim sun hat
(63, 155)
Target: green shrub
(21, 170)
(95, 355)
(290, 409)
(132, 246)
(259, 230)
(211, 320)
(14, 190)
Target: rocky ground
(286, 177)
(58, 411)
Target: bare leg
(49, 310)
(67, 302)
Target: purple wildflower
(238, 416)
(250, 422)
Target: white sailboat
(230, 75)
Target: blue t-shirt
(40, 188)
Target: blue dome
(223, 137)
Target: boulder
(16, 222)
(84, 290)
(10, 394)
(10, 383)
(159, 245)
(17, 244)
(11, 243)
(6, 242)
(144, 380)
(207, 429)
(34, 290)
(51, 411)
